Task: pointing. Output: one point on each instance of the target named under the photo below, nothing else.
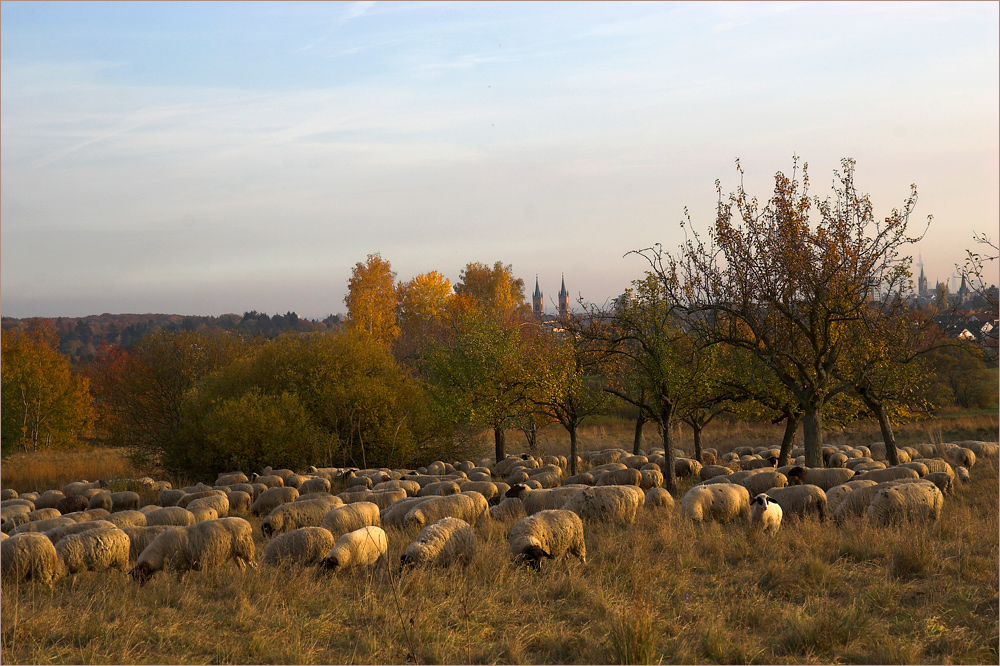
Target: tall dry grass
(25, 472)
(660, 591)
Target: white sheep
(763, 481)
(293, 515)
(824, 478)
(220, 503)
(547, 534)
(130, 518)
(94, 550)
(466, 505)
(487, 489)
(510, 509)
(836, 495)
(57, 533)
(302, 546)
(890, 474)
(445, 542)
(917, 502)
(198, 547)
(621, 477)
(962, 474)
(140, 537)
(393, 515)
(937, 465)
(542, 499)
(125, 500)
(411, 487)
(606, 504)
(351, 517)
(29, 556)
(231, 478)
(658, 498)
(801, 501)
(271, 498)
(765, 514)
(719, 502)
(362, 547)
(171, 515)
(711, 471)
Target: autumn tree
(786, 287)
(44, 404)
(371, 299)
(495, 289)
(421, 303)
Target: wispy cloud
(354, 10)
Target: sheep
(392, 516)
(982, 449)
(609, 467)
(29, 556)
(49, 499)
(658, 498)
(606, 504)
(80, 487)
(546, 479)
(170, 515)
(721, 502)
(125, 500)
(801, 501)
(686, 467)
(32, 516)
(56, 533)
(129, 518)
(943, 482)
(100, 500)
(439, 488)
(766, 514)
(551, 533)
(170, 496)
(148, 508)
(918, 502)
(191, 497)
(487, 489)
(763, 481)
(9, 513)
(269, 480)
(650, 478)
(540, 500)
(362, 547)
(961, 473)
(890, 474)
(824, 478)
(466, 505)
(621, 477)
(350, 517)
(710, 471)
(443, 543)
(293, 515)
(198, 547)
(220, 503)
(271, 498)
(511, 508)
(315, 485)
(8, 493)
(836, 495)
(140, 537)
(961, 456)
(94, 550)
(72, 503)
(937, 465)
(43, 525)
(203, 513)
(770, 462)
(231, 478)
(854, 504)
(243, 488)
(837, 460)
(918, 467)
(303, 546)
(239, 501)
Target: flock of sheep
(85, 527)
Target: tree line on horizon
(790, 311)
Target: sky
(202, 158)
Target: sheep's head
(267, 530)
(763, 500)
(773, 460)
(142, 573)
(516, 490)
(794, 476)
(532, 557)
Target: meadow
(659, 591)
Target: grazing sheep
(585, 479)
(711, 471)
(32, 516)
(303, 546)
(393, 515)
(139, 537)
(824, 478)
(239, 501)
(49, 499)
(467, 505)
(763, 481)
(125, 500)
(937, 465)
(836, 495)
(621, 477)
(8, 493)
(57, 533)
(130, 518)
(149, 507)
(487, 489)
(605, 504)
(962, 456)
(8, 513)
(721, 502)
(837, 460)
(351, 517)
(658, 498)
(540, 500)
(684, 467)
(170, 496)
(552, 533)
(917, 502)
(890, 474)
(510, 509)
(765, 463)
(315, 485)
(960, 472)
(943, 482)
(982, 449)
(72, 504)
(801, 501)
(766, 514)
(269, 480)
(855, 503)
(197, 547)
(171, 515)
(439, 488)
(29, 556)
(546, 479)
(203, 513)
(231, 478)
(918, 467)
(220, 503)
(94, 550)
(185, 501)
(362, 547)
(80, 487)
(293, 515)
(609, 467)
(271, 498)
(650, 478)
(43, 525)
(443, 543)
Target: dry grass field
(660, 591)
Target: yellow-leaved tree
(371, 299)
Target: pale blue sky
(200, 158)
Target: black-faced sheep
(94, 550)
(800, 501)
(29, 556)
(719, 502)
(205, 545)
(917, 502)
(362, 547)
(302, 546)
(765, 514)
(547, 534)
(443, 543)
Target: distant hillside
(81, 337)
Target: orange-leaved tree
(371, 299)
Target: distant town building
(537, 303)
(563, 298)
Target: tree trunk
(696, 428)
(572, 449)
(498, 440)
(637, 441)
(812, 435)
(883, 423)
(669, 479)
(791, 425)
(531, 436)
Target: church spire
(563, 298)
(537, 303)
